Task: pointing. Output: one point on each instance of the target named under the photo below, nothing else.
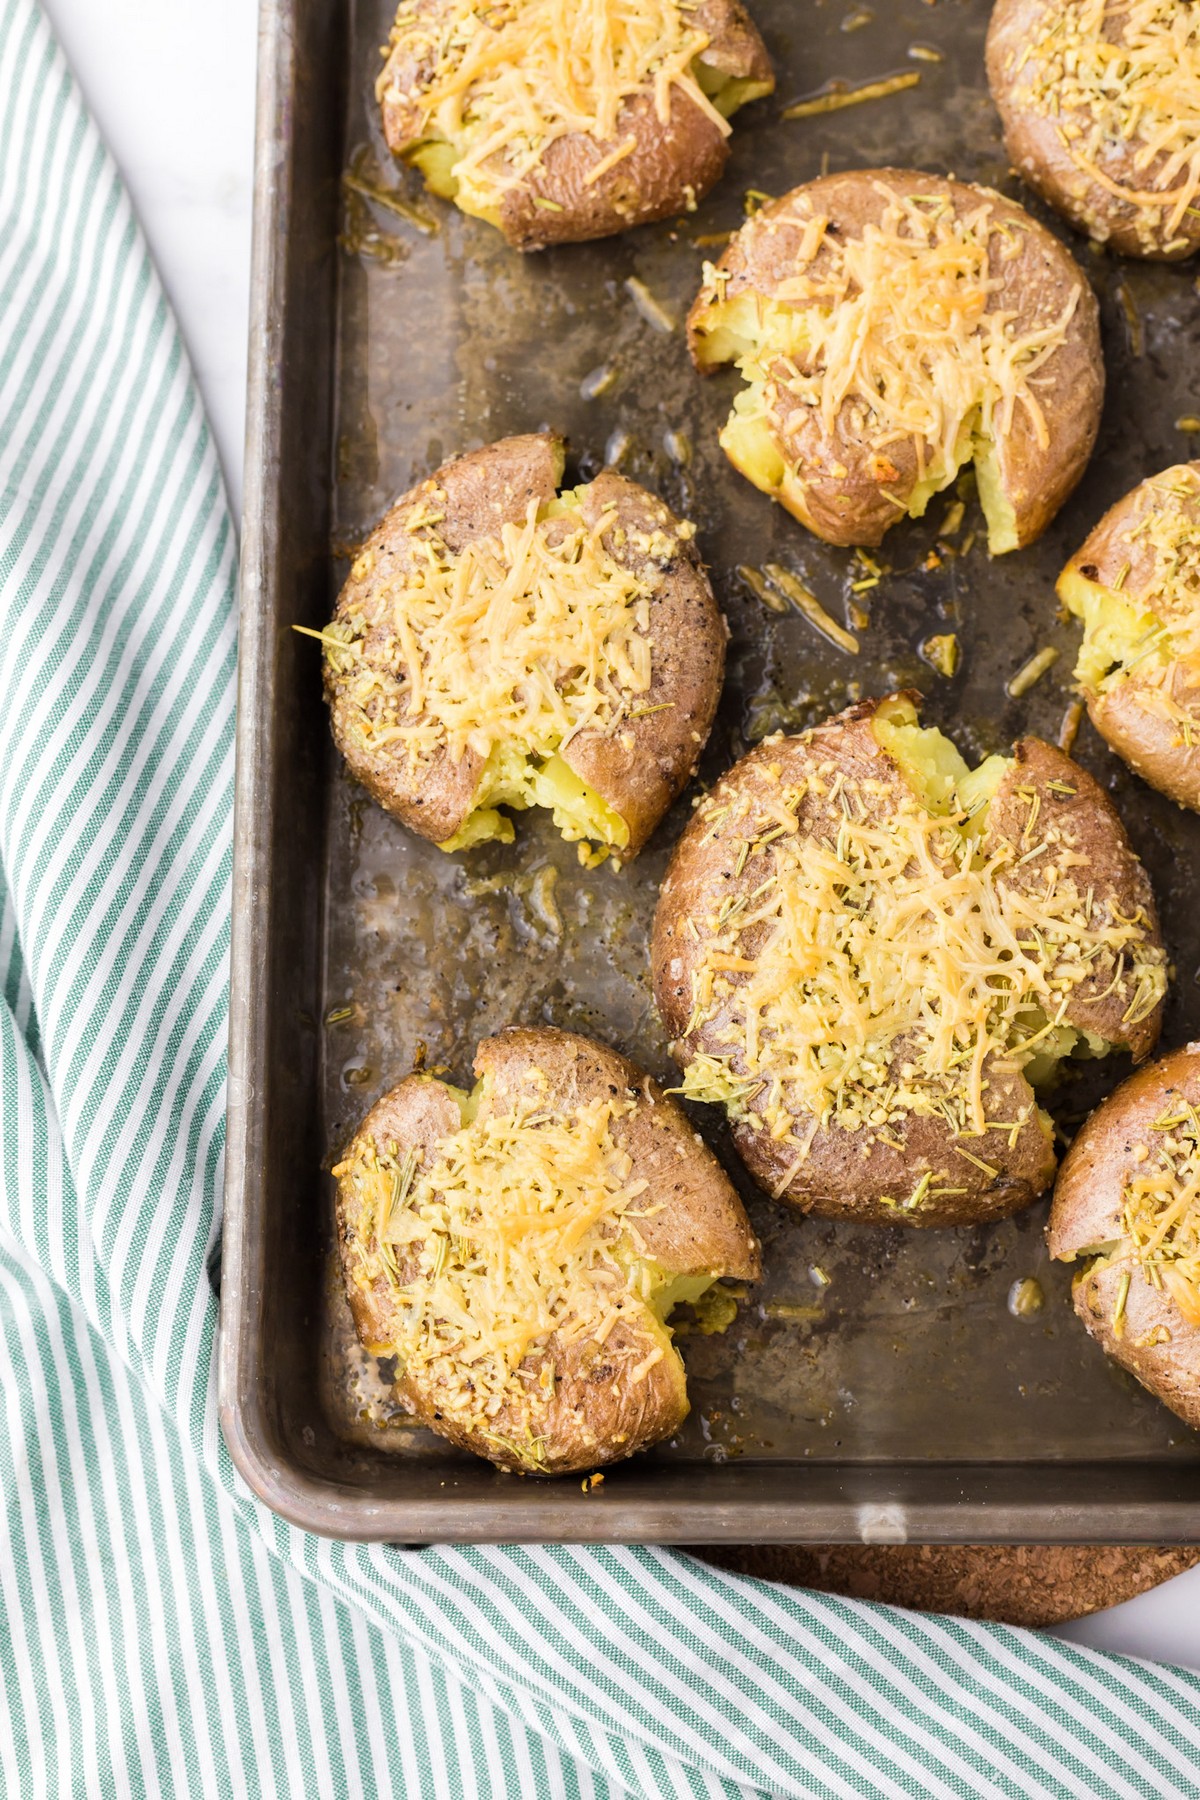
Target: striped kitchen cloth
(164, 1634)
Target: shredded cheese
(874, 961)
(900, 329)
(1121, 80)
(519, 640)
(1160, 1216)
(510, 1253)
(502, 80)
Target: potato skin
(671, 167)
(592, 1419)
(640, 769)
(1085, 822)
(1113, 553)
(846, 1172)
(1036, 150)
(1087, 1211)
(1150, 745)
(637, 771)
(853, 509)
(652, 182)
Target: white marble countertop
(189, 166)
(190, 172)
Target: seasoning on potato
(499, 644)
(519, 1250)
(892, 328)
(1127, 1207)
(876, 959)
(1136, 585)
(559, 122)
(1100, 102)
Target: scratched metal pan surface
(905, 1397)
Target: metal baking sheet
(905, 1398)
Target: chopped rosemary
(837, 95)
(1031, 672)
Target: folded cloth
(166, 1635)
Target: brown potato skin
(672, 167)
(852, 509)
(1109, 552)
(1039, 155)
(1140, 736)
(637, 771)
(640, 769)
(1088, 823)
(845, 1173)
(1149, 744)
(1087, 1211)
(702, 1228)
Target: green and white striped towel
(165, 1635)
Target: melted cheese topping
(502, 80)
(517, 642)
(871, 965)
(1160, 1219)
(892, 337)
(900, 330)
(1122, 80)
(515, 1249)
(1151, 636)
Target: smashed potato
(557, 122)
(519, 1250)
(1127, 1208)
(892, 328)
(1100, 101)
(874, 957)
(500, 645)
(1135, 584)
